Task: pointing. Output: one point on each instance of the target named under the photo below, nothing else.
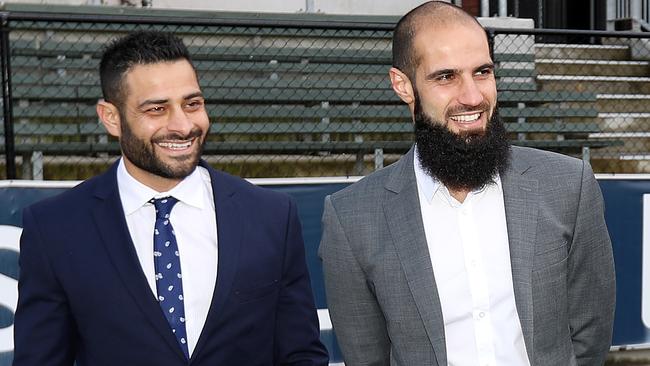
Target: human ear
(109, 116)
(401, 85)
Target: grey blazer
(381, 290)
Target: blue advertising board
(627, 213)
(627, 203)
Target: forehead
(461, 45)
(162, 80)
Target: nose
(179, 121)
(470, 93)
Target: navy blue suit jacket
(83, 295)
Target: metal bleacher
(270, 89)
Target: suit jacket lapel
(230, 229)
(109, 219)
(401, 208)
(521, 203)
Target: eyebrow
(487, 65)
(437, 73)
(434, 75)
(193, 95)
(163, 101)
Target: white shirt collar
(135, 194)
(429, 185)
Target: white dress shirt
(468, 245)
(194, 221)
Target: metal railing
(302, 95)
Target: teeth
(466, 117)
(175, 145)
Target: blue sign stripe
(624, 216)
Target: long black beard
(467, 161)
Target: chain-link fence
(593, 86)
(291, 98)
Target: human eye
(444, 78)
(195, 104)
(158, 109)
(485, 71)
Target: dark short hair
(137, 48)
(405, 57)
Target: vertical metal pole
(7, 113)
(485, 8)
(310, 6)
(503, 8)
(610, 15)
(635, 14)
(635, 9)
(515, 11)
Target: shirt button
(481, 314)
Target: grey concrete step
(598, 84)
(615, 122)
(616, 162)
(548, 66)
(577, 51)
(624, 121)
(623, 103)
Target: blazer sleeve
(591, 278)
(43, 325)
(356, 316)
(297, 333)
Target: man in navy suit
(90, 278)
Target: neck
(459, 194)
(153, 181)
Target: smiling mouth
(176, 145)
(466, 118)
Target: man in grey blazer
(467, 251)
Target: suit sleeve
(297, 333)
(591, 281)
(43, 324)
(356, 316)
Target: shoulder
(368, 192)
(368, 185)
(555, 173)
(545, 163)
(75, 199)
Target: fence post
(485, 8)
(636, 12)
(611, 14)
(7, 113)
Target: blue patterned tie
(169, 284)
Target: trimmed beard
(142, 154)
(464, 161)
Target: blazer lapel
(521, 205)
(109, 219)
(401, 209)
(229, 235)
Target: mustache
(484, 106)
(194, 133)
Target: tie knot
(163, 206)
